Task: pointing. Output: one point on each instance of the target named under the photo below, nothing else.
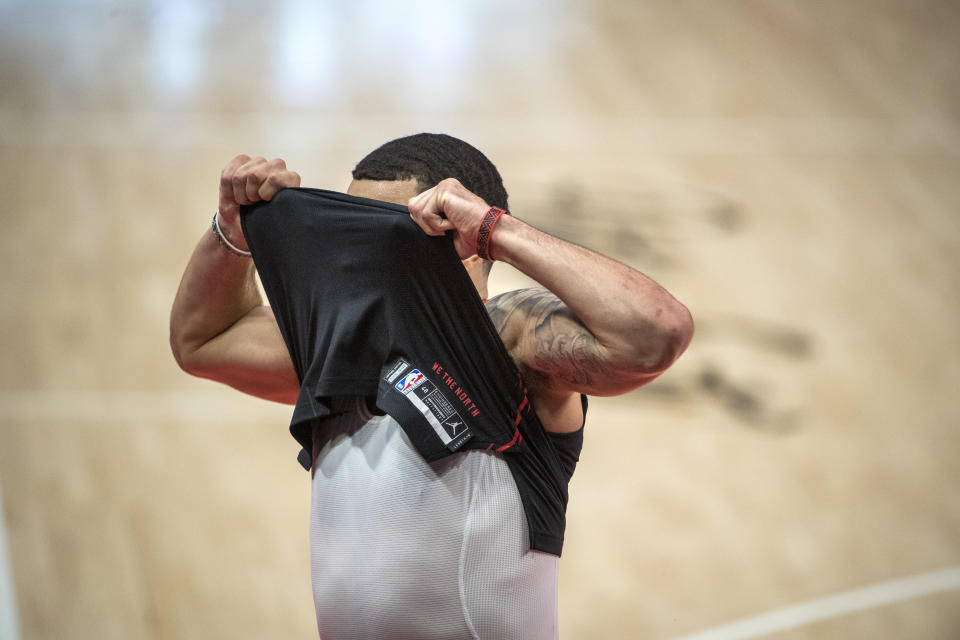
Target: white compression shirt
(405, 549)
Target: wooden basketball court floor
(790, 170)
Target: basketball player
(402, 547)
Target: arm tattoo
(550, 340)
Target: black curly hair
(430, 158)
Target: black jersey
(370, 305)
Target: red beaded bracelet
(485, 232)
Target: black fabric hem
(546, 542)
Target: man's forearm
(217, 289)
(632, 316)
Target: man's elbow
(673, 334)
(679, 334)
(181, 355)
(184, 352)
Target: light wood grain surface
(790, 170)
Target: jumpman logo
(453, 425)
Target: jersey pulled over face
(400, 192)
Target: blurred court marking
(8, 608)
(798, 615)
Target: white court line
(8, 606)
(803, 613)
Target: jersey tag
(430, 401)
(398, 367)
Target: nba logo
(410, 381)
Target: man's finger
(239, 180)
(226, 176)
(264, 171)
(227, 204)
(430, 223)
(255, 180)
(423, 203)
(278, 181)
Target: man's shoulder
(510, 313)
(517, 315)
(521, 305)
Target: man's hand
(246, 180)
(450, 206)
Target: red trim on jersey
(523, 405)
(517, 438)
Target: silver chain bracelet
(215, 228)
